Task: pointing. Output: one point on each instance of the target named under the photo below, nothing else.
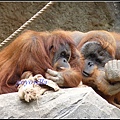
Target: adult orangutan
(51, 54)
(101, 71)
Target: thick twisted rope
(26, 23)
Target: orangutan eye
(65, 55)
(98, 60)
(92, 55)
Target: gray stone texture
(66, 103)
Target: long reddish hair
(30, 52)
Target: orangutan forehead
(91, 46)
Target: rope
(26, 23)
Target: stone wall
(82, 16)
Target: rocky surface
(66, 103)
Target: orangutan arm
(65, 78)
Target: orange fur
(30, 52)
(111, 42)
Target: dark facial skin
(62, 57)
(95, 56)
